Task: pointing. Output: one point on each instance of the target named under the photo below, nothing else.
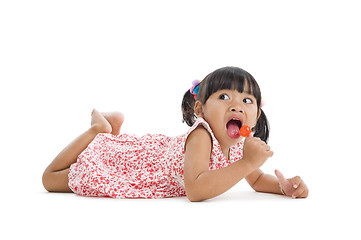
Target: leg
(55, 177)
(115, 119)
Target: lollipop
(245, 131)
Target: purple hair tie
(195, 87)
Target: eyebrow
(250, 95)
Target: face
(224, 106)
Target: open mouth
(233, 127)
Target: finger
(295, 181)
(299, 191)
(280, 177)
(304, 194)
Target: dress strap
(201, 121)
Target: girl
(201, 164)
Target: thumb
(280, 177)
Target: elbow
(191, 193)
(193, 197)
(197, 190)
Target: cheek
(254, 116)
(209, 111)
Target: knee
(49, 180)
(46, 179)
(56, 181)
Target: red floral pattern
(129, 166)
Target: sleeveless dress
(130, 166)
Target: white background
(61, 59)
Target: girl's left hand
(292, 187)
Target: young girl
(201, 164)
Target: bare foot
(115, 119)
(99, 123)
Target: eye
(224, 97)
(247, 100)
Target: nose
(236, 108)
(236, 105)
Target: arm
(293, 187)
(261, 182)
(200, 183)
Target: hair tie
(195, 88)
(262, 103)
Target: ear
(259, 113)
(198, 109)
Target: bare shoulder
(199, 137)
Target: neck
(225, 151)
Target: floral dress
(130, 166)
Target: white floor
(237, 214)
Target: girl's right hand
(256, 152)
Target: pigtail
(188, 108)
(262, 128)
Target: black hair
(226, 78)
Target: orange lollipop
(245, 131)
